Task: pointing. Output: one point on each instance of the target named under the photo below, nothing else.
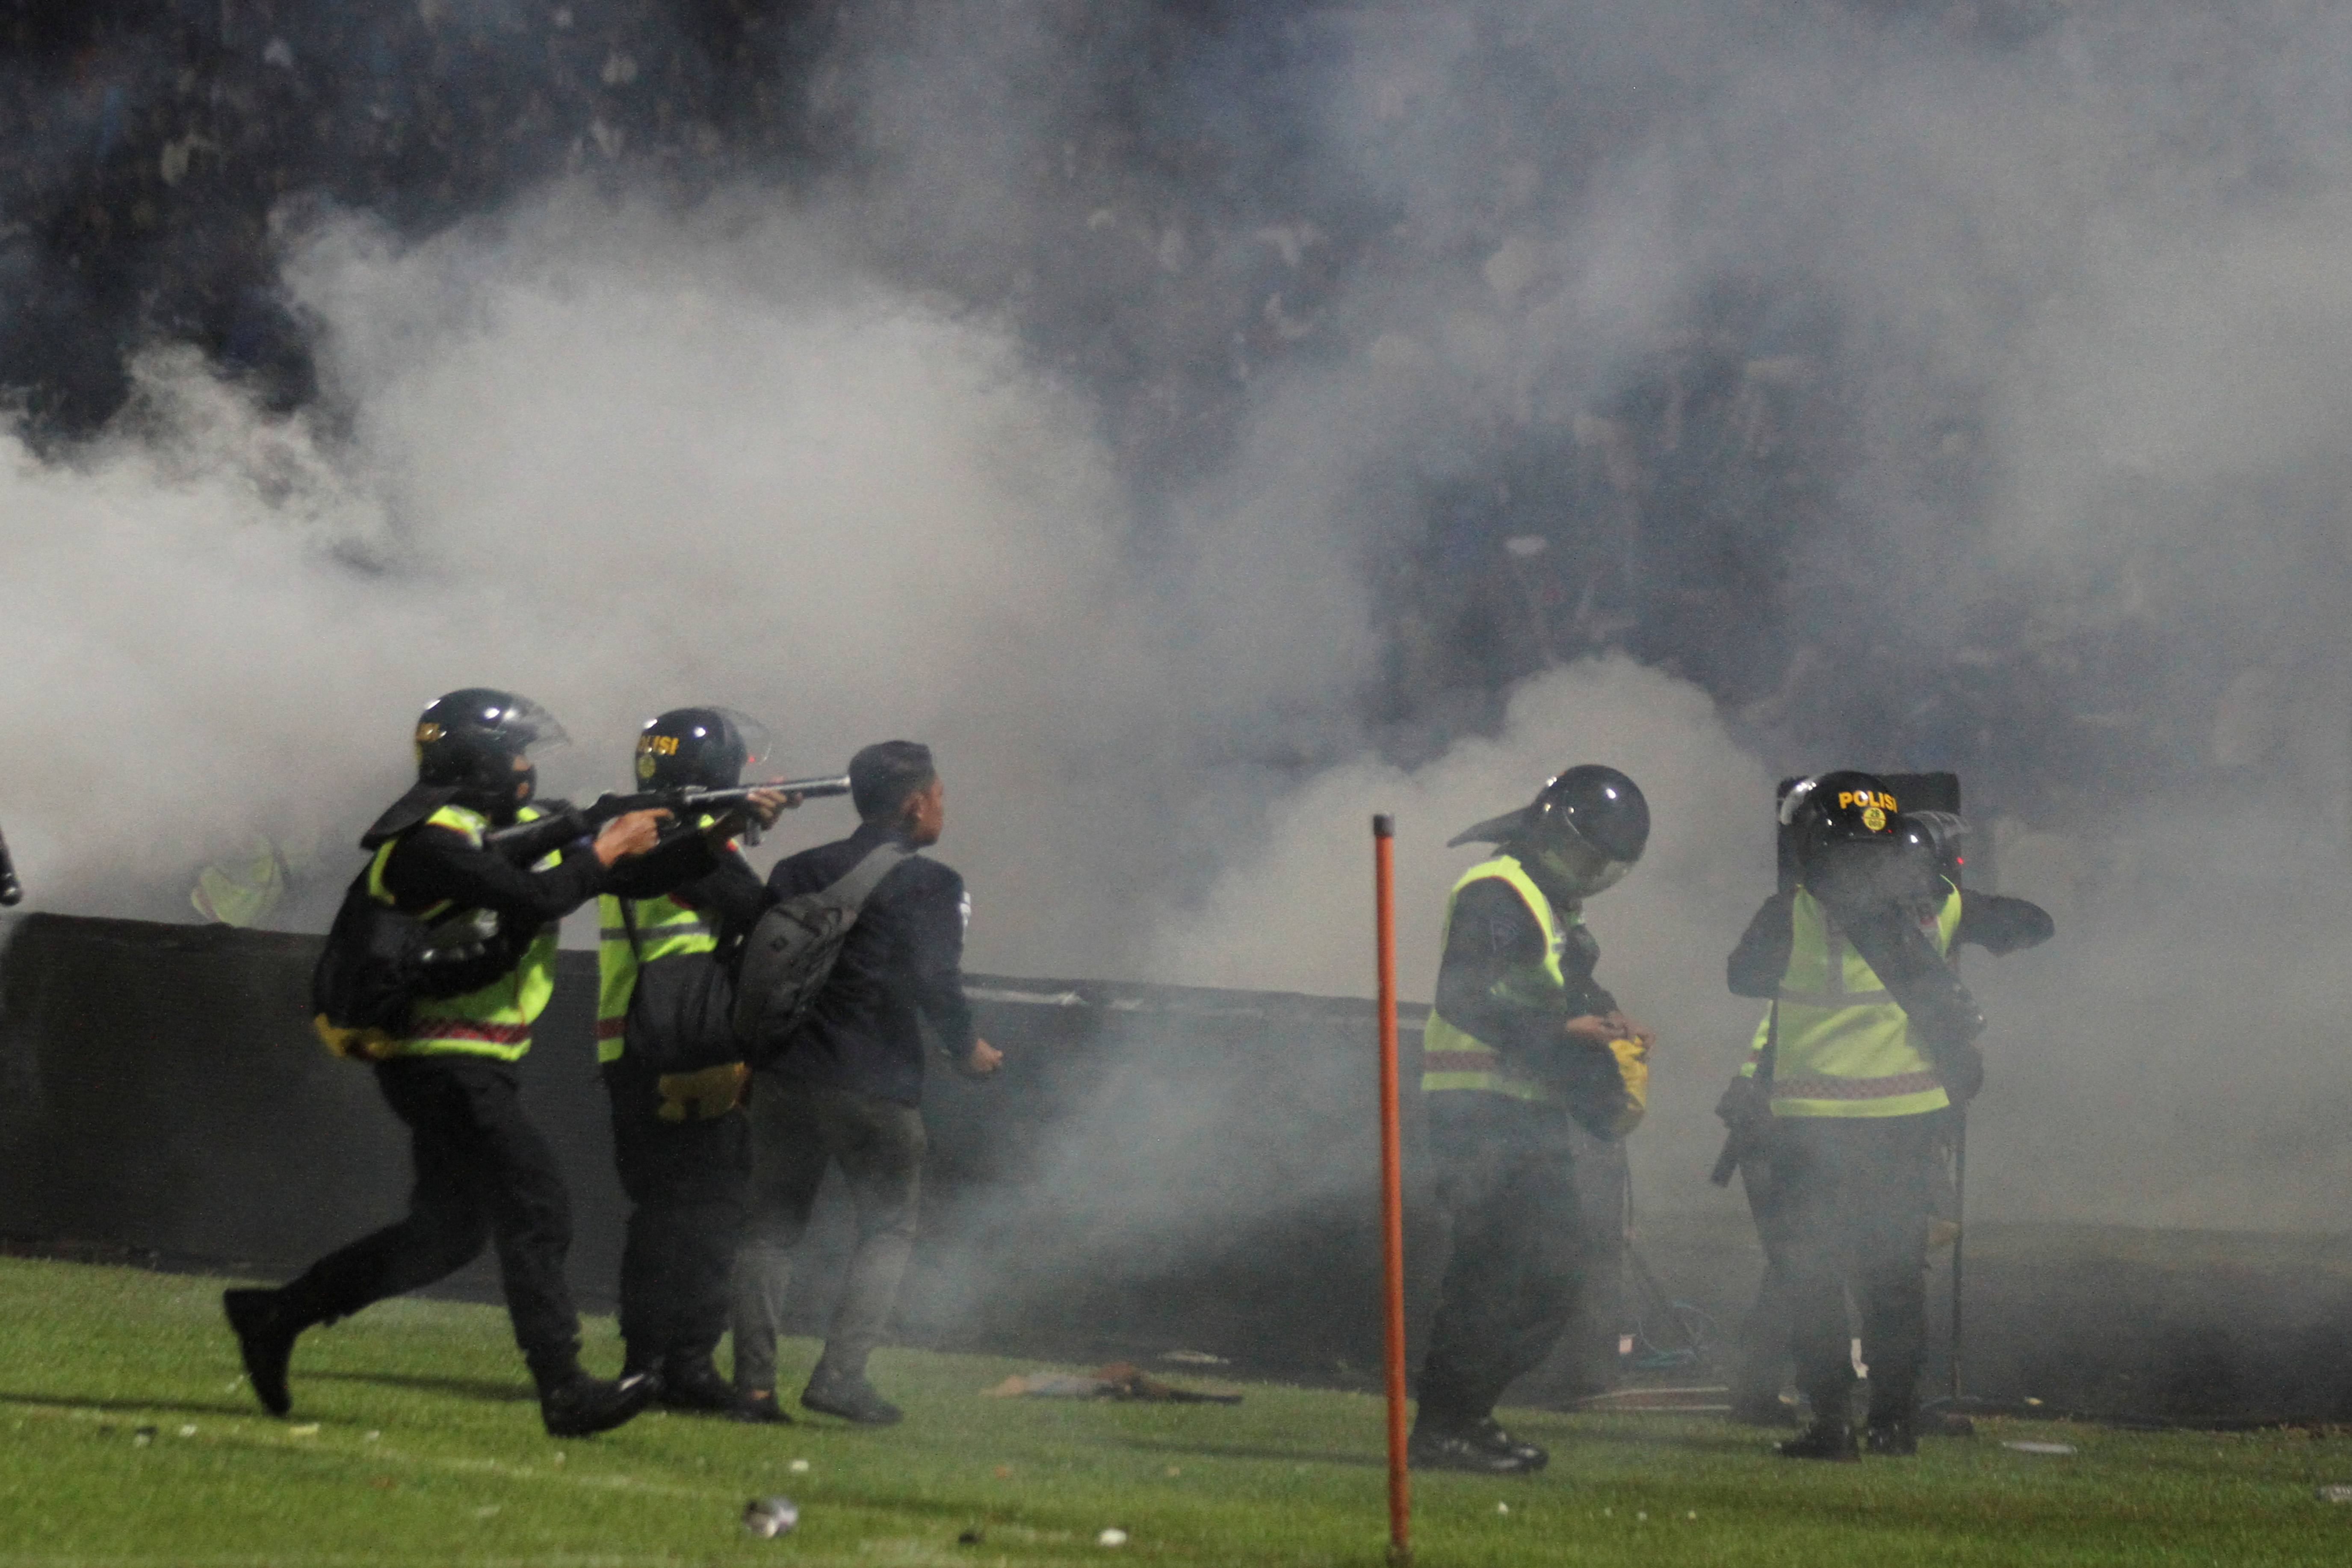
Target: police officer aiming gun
(444, 1019)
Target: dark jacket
(1992, 921)
(901, 966)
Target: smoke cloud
(1901, 386)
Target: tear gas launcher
(527, 841)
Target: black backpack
(379, 961)
(789, 954)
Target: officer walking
(483, 1171)
(1522, 1039)
(674, 1070)
(1868, 1046)
(848, 1088)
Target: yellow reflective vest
(1841, 1045)
(664, 929)
(1454, 1060)
(495, 1020)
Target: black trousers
(483, 1173)
(1763, 1344)
(1854, 1196)
(798, 1129)
(687, 1184)
(1508, 1231)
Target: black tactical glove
(1961, 1069)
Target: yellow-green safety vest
(1454, 1060)
(1842, 1046)
(666, 929)
(495, 1020)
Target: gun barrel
(837, 784)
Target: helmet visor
(519, 724)
(757, 744)
(1579, 866)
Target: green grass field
(126, 1436)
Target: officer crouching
(1522, 1039)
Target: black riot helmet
(1584, 831)
(1850, 836)
(698, 748)
(467, 743)
(1936, 838)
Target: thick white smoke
(618, 467)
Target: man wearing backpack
(847, 1088)
(446, 1066)
(671, 1062)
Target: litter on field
(2334, 1494)
(798, 1466)
(769, 1516)
(1111, 1537)
(2024, 1448)
(1121, 1380)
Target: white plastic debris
(2334, 1494)
(798, 1466)
(1502, 1507)
(1111, 1537)
(2061, 1448)
(769, 1516)
(187, 1431)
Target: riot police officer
(1868, 1046)
(483, 1172)
(1522, 1038)
(675, 1070)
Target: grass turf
(127, 1435)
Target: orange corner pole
(1391, 1186)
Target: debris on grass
(141, 1438)
(798, 1466)
(1502, 1507)
(1111, 1537)
(307, 1429)
(2023, 1447)
(187, 1431)
(1121, 1380)
(1191, 1358)
(970, 1538)
(769, 1516)
(2334, 1494)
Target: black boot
(692, 1383)
(761, 1407)
(265, 1333)
(1489, 1435)
(848, 1396)
(1435, 1448)
(1824, 1440)
(580, 1406)
(1893, 1438)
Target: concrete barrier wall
(1156, 1168)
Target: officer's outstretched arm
(1999, 924)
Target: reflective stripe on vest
(1843, 1047)
(666, 929)
(1452, 1059)
(495, 1020)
